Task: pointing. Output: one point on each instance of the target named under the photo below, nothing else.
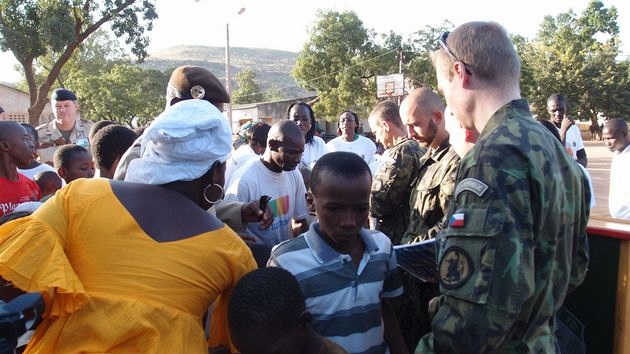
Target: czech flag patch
(457, 220)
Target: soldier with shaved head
(275, 175)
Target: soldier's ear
(437, 117)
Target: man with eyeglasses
(516, 242)
(569, 132)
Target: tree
(332, 62)
(31, 29)
(122, 94)
(248, 90)
(577, 57)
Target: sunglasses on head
(447, 49)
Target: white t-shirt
(363, 147)
(590, 185)
(573, 140)
(237, 159)
(312, 152)
(619, 193)
(30, 173)
(288, 199)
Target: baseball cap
(195, 82)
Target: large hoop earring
(220, 193)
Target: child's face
(342, 206)
(80, 166)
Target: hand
(251, 213)
(566, 124)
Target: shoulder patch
(472, 185)
(455, 268)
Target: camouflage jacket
(431, 193)
(515, 244)
(391, 188)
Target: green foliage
(337, 46)
(577, 57)
(248, 90)
(32, 29)
(342, 58)
(121, 94)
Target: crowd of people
(184, 238)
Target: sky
(283, 24)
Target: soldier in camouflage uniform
(400, 165)
(66, 128)
(516, 240)
(423, 113)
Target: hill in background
(272, 67)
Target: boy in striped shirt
(345, 272)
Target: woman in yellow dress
(131, 267)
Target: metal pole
(228, 85)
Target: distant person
(275, 175)
(347, 273)
(66, 128)
(267, 314)
(569, 132)
(516, 241)
(108, 145)
(32, 167)
(16, 147)
(189, 82)
(49, 182)
(615, 135)
(302, 114)
(132, 267)
(554, 131)
(73, 162)
(3, 115)
(400, 166)
(255, 143)
(349, 139)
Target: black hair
(557, 98)
(31, 131)
(311, 132)
(98, 126)
(65, 153)
(110, 143)
(267, 297)
(342, 164)
(258, 134)
(41, 178)
(356, 121)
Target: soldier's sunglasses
(447, 49)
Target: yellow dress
(109, 287)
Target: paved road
(599, 159)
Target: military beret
(62, 94)
(196, 82)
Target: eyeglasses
(448, 51)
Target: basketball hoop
(390, 85)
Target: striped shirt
(345, 301)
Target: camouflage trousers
(412, 309)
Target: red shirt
(13, 193)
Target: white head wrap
(181, 144)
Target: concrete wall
(16, 103)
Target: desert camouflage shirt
(391, 188)
(431, 193)
(515, 244)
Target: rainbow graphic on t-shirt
(280, 206)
